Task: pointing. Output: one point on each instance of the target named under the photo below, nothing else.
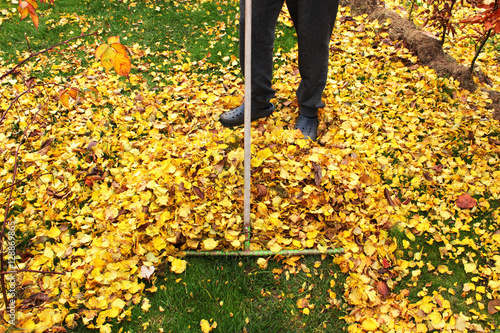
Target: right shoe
(236, 116)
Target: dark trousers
(314, 21)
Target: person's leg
(314, 21)
(264, 17)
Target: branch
(6, 215)
(33, 55)
(31, 270)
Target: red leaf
(465, 201)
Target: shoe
(236, 116)
(308, 126)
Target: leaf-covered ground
(132, 175)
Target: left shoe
(308, 127)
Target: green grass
(201, 31)
(239, 295)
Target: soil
(424, 45)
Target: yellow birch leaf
(210, 244)
(178, 266)
(54, 232)
(145, 304)
(205, 326)
(470, 267)
(118, 303)
(369, 325)
(435, 317)
(262, 263)
(275, 248)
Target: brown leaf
(261, 190)
(317, 174)
(492, 306)
(91, 144)
(199, 192)
(427, 176)
(465, 201)
(220, 166)
(493, 141)
(438, 168)
(45, 146)
(382, 288)
(387, 195)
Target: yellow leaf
(302, 303)
(145, 305)
(369, 325)
(118, 303)
(262, 263)
(435, 317)
(113, 39)
(54, 232)
(275, 248)
(470, 267)
(100, 50)
(205, 326)
(178, 265)
(108, 59)
(210, 244)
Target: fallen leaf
(465, 201)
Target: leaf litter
(125, 179)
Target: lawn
(112, 189)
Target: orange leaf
(73, 92)
(33, 3)
(122, 64)
(64, 98)
(23, 9)
(34, 18)
(119, 48)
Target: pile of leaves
(123, 176)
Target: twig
(27, 42)
(478, 50)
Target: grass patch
(240, 296)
